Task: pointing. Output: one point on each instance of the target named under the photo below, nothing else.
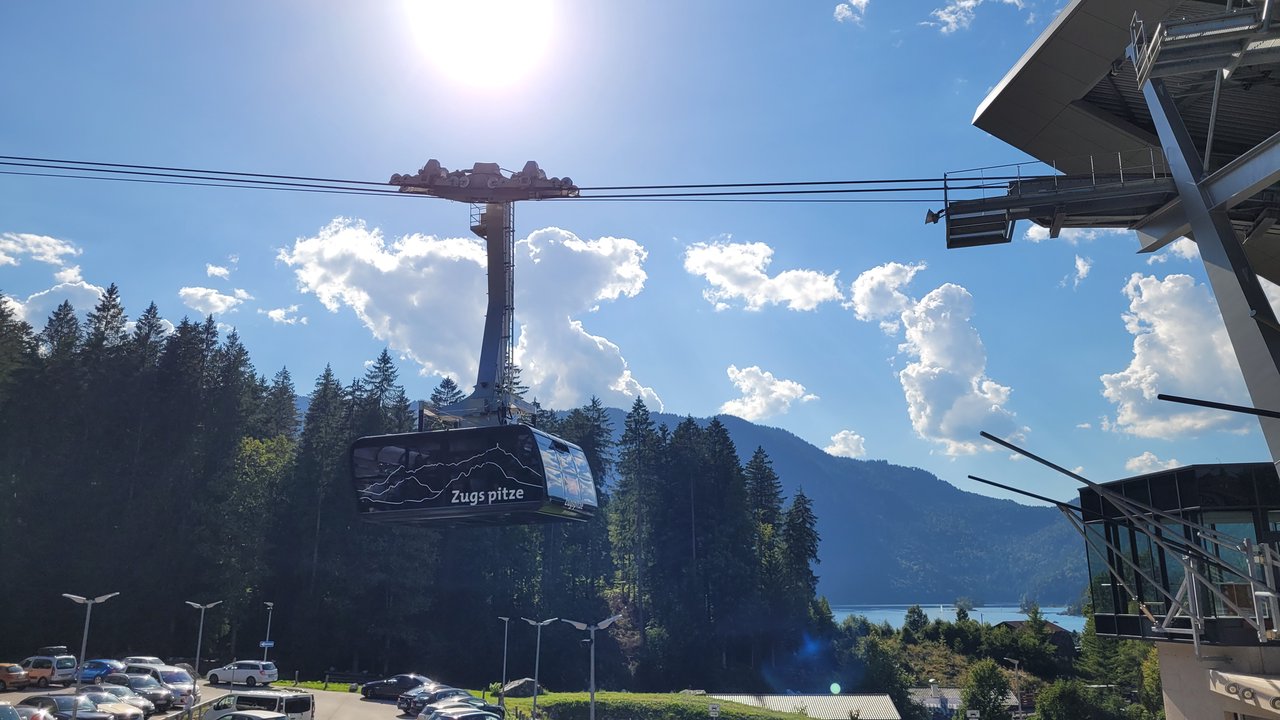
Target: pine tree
(17, 347)
(445, 394)
(280, 412)
(800, 545)
(764, 489)
(62, 333)
(630, 530)
(148, 336)
(106, 324)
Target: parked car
(8, 713)
(292, 704)
(109, 703)
(146, 686)
(93, 671)
(26, 712)
(12, 676)
(254, 715)
(60, 706)
(125, 695)
(453, 711)
(393, 686)
(142, 660)
(248, 672)
(45, 670)
(461, 712)
(177, 680)
(412, 702)
(456, 701)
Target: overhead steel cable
(744, 192)
(108, 172)
(699, 186)
(328, 191)
(188, 170)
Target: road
(330, 705)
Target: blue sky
(850, 325)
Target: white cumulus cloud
(763, 395)
(1184, 248)
(1148, 462)
(1071, 236)
(877, 294)
(208, 301)
(217, 271)
(1082, 268)
(949, 396)
(425, 297)
(851, 11)
(736, 271)
(1180, 347)
(847, 443)
(41, 248)
(959, 14)
(285, 315)
(68, 274)
(37, 308)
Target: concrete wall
(1193, 692)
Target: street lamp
(537, 655)
(84, 640)
(200, 635)
(1017, 683)
(592, 629)
(266, 644)
(502, 689)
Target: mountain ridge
(898, 534)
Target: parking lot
(330, 705)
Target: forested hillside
(895, 534)
(163, 466)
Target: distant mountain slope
(894, 534)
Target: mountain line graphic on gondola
(473, 463)
(495, 475)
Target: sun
(482, 43)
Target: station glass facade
(1239, 500)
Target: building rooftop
(868, 706)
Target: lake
(990, 614)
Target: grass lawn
(619, 705)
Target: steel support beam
(1235, 286)
(1230, 185)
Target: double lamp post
(537, 655)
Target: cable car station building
(1163, 117)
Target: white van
(295, 704)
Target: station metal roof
(1074, 96)
(866, 706)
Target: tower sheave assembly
(491, 469)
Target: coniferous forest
(163, 465)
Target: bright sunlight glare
(482, 43)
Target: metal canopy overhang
(1037, 107)
(1073, 102)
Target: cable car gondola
(493, 469)
(501, 475)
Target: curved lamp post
(200, 635)
(592, 629)
(266, 643)
(88, 604)
(502, 689)
(537, 654)
(1017, 683)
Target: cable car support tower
(492, 196)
